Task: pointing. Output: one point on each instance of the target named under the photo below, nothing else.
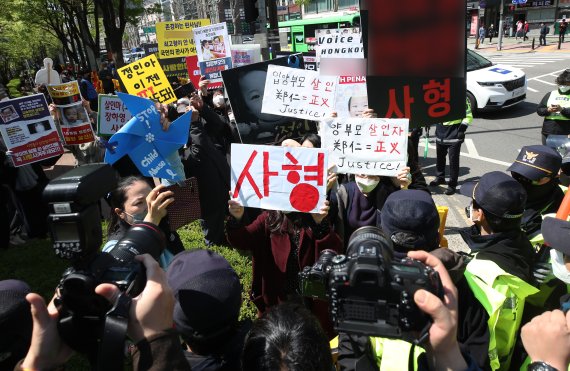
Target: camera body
(75, 226)
(371, 293)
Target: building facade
(535, 12)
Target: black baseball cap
(410, 219)
(207, 292)
(535, 162)
(498, 194)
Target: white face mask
(366, 185)
(471, 214)
(564, 88)
(558, 268)
(218, 100)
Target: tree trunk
(113, 32)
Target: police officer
(501, 270)
(448, 138)
(536, 169)
(555, 108)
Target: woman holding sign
(282, 244)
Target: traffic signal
(250, 10)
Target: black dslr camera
(75, 227)
(370, 292)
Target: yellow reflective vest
(503, 296)
(563, 100)
(393, 354)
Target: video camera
(561, 143)
(85, 318)
(370, 292)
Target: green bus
(303, 30)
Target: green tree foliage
(21, 41)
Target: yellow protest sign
(176, 39)
(145, 78)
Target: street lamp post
(500, 43)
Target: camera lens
(143, 238)
(364, 237)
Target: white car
(493, 86)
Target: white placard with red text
(279, 178)
(366, 146)
(112, 115)
(298, 93)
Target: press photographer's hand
(47, 349)
(151, 311)
(547, 338)
(442, 347)
(157, 201)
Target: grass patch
(36, 264)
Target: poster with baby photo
(28, 130)
(246, 87)
(73, 118)
(213, 50)
(351, 98)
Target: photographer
(555, 108)
(500, 274)
(150, 327)
(442, 352)
(133, 201)
(411, 221)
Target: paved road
(494, 139)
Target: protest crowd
(349, 260)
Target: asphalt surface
(495, 138)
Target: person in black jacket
(208, 161)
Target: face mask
(218, 100)
(366, 185)
(136, 218)
(558, 268)
(564, 88)
(471, 214)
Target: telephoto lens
(141, 238)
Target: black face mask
(539, 195)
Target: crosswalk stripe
(527, 61)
